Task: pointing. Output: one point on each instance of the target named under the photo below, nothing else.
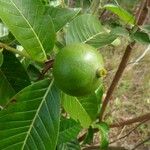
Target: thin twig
(140, 57)
(114, 141)
(130, 121)
(11, 49)
(122, 130)
(141, 143)
(123, 63)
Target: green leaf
(89, 136)
(102, 40)
(120, 31)
(88, 29)
(69, 130)
(104, 130)
(1, 57)
(121, 13)
(14, 72)
(6, 90)
(92, 103)
(76, 111)
(61, 16)
(71, 145)
(31, 27)
(12, 79)
(33, 121)
(83, 109)
(141, 37)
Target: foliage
(35, 114)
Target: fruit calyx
(101, 73)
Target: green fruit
(78, 69)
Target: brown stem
(130, 121)
(48, 65)
(117, 77)
(123, 63)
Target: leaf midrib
(34, 119)
(92, 37)
(42, 48)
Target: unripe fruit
(78, 69)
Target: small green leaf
(89, 136)
(76, 111)
(61, 16)
(104, 130)
(68, 131)
(122, 13)
(116, 42)
(141, 37)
